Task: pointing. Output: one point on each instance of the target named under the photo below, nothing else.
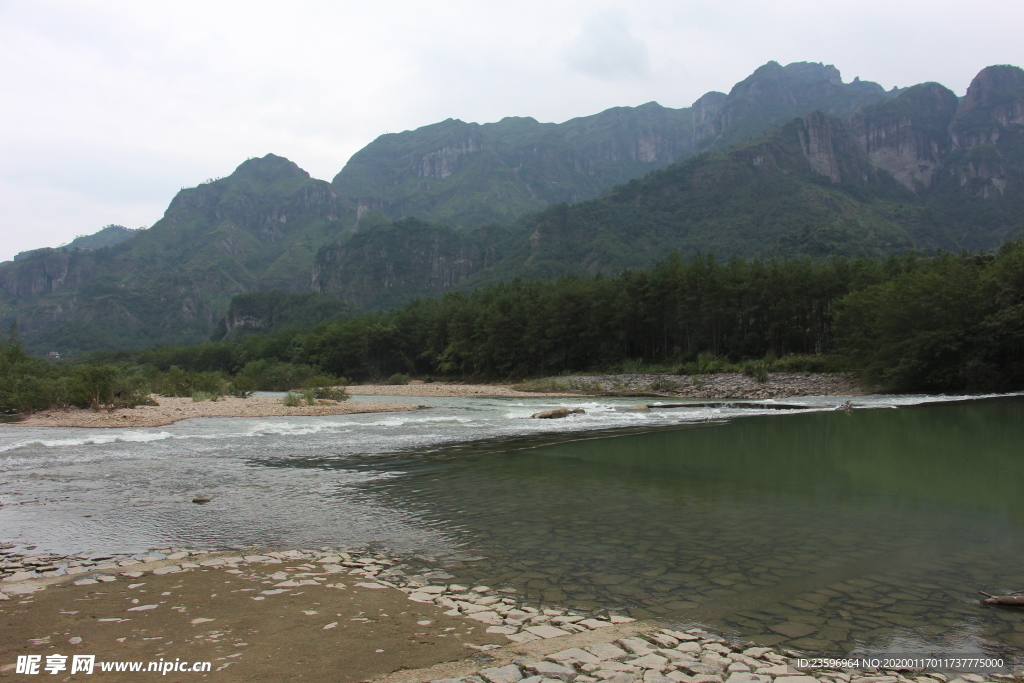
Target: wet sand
(211, 615)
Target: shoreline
(174, 409)
(365, 616)
(717, 386)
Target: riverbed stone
(546, 631)
(492, 618)
(744, 677)
(594, 624)
(617, 677)
(551, 670)
(606, 651)
(794, 629)
(650, 661)
(502, 674)
(637, 646)
(574, 655)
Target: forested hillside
(864, 173)
(948, 323)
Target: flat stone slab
(574, 655)
(502, 630)
(492, 618)
(552, 670)
(748, 678)
(637, 646)
(523, 637)
(545, 631)
(593, 624)
(501, 674)
(651, 661)
(606, 651)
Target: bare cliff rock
(907, 136)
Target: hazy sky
(109, 108)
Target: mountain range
(791, 161)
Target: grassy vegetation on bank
(948, 323)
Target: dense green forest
(947, 323)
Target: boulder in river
(552, 414)
(638, 408)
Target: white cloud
(606, 48)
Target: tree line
(952, 322)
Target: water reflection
(825, 531)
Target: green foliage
(757, 369)
(292, 400)
(664, 384)
(957, 324)
(269, 374)
(241, 386)
(398, 379)
(185, 383)
(330, 393)
(273, 310)
(949, 323)
(205, 396)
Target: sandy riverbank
(170, 410)
(716, 386)
(451, 390)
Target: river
(830, 531)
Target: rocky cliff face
(816, 141)
(259, 227)
(409, 259)
(931, 142)
(467, 174)
(772, 95)
(908, 136)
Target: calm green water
(830, 532)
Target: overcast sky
(109, 108)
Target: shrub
(292, 400)
(398, 378)
(178, 382)
(330, 393)
(664, 384)
(204, 396)
(274, 375)
(758, 369)
(632, 366)
(242, 386)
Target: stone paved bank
(693, 656)
(544, 645)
